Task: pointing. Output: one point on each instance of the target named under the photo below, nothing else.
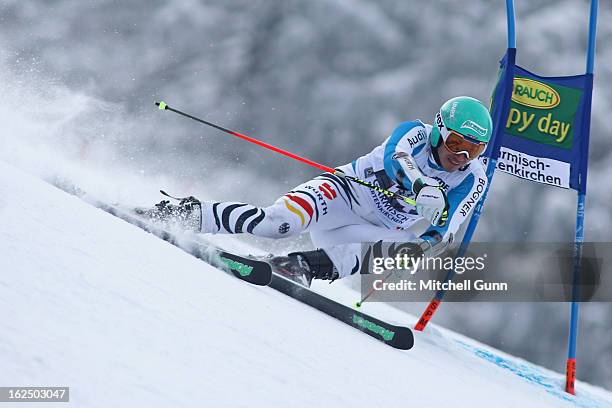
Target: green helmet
(466, 116)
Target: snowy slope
(126, 320)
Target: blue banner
(541, 132)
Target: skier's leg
(341, 249)
(323, 203)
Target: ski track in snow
(125, 319)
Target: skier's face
(451, 161)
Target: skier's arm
(462, 200)
(406, 140)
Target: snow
(127, 320)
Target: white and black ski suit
(340, 215)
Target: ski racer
(435, 165)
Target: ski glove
(431, 201)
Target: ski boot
(303, 267)
(187, 214)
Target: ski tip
(162, 105)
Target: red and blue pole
(497, 130)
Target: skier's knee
(291, 214)
(277, 224)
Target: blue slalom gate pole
(570, 370)
(467, 237)
(492, 163)
(570, 373)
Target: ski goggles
(457, 143)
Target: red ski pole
(163, 106)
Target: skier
(435, 165)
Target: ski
(395, 336)
(247, 269)
(258, 272)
